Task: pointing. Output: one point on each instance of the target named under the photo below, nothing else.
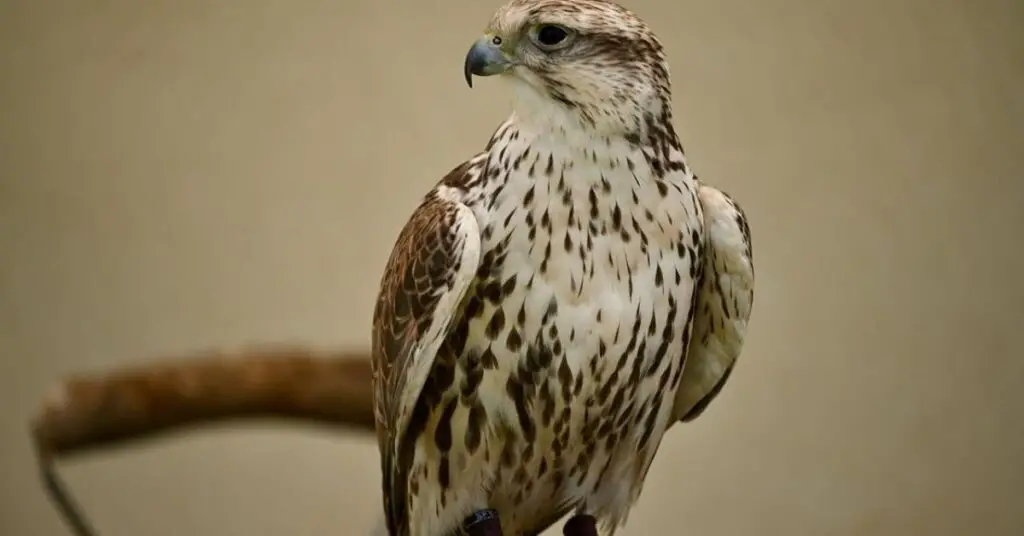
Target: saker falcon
(538, 308)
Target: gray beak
(485, 59)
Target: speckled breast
(571, 340)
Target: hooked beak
(485, 59)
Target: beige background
(183, 173)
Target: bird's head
(586, 61)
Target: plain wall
(191, 173)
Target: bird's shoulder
(427, 250)
(432, 264)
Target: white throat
(536, 113)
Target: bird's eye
(550, 36)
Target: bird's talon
(580, 525)
(482, 523)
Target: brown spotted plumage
(537, 311)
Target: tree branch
(92, 411)
(85, 412)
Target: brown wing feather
(724, 301)
(425, 280)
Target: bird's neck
(581, 127)
(558, 130)
(527, 150)
(528, 140)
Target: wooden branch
(92, 411)
(85, 412)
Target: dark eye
(551, 35)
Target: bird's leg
(482, 523)
(580, 525)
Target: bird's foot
(482, 523)
(580, 525)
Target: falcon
(559, 300)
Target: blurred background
(184, 174)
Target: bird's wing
(432, 265)
(724, 301)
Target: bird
(559, 300)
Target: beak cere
(485, 59)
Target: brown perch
(89, 412)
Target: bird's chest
(582, 297)
(574, 333)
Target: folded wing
(724, 302)
(431, 267)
